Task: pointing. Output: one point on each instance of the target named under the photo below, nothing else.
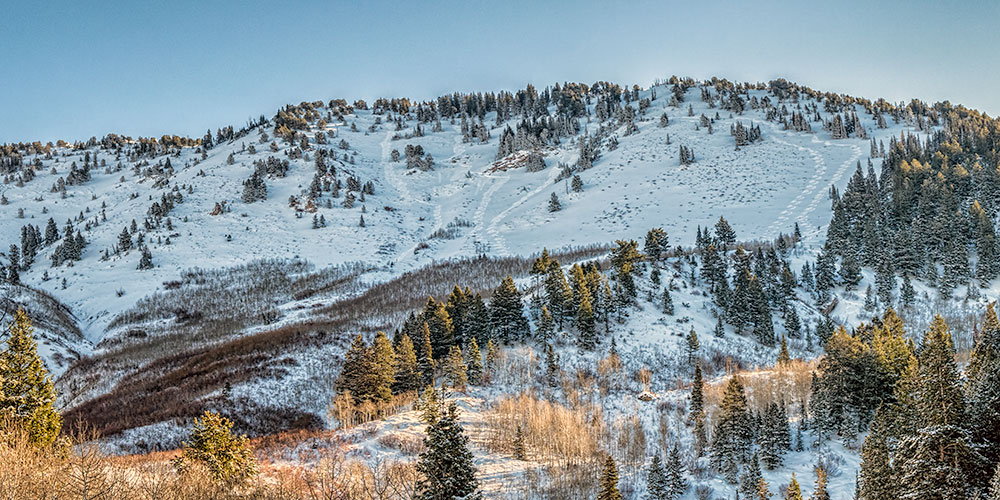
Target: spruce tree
(425, 360)
(692, 346)
(442, 331)
(455, 370)
(585, 323)
(520, 450)
(27, 395)
(783, 357)
(408, 377)
(794, 491)
(820, 493)
(668, 302)
(492, 358)
(750, 478)
(507, 320)
(697, 406)
(656, 483)
(474, 362)
(546, 326)
(983, 387)
(551, 366)
(733, 434)
(228, 458)
(446, 465)
(876, 479)
(381, 368)
(720, 330)
(609, 481)
(352, 373)
(995, 485)
(938, 461)
(674, 473)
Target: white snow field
(465, 206)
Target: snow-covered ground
(762, 189)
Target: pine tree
(27, 395)
(492, 357)
(983, 387)
(554, 204)
(697, 406)
(668, 303)
(656, 483)
(551, 366)
(761, 491)
(228, 458)
(876, 479)
(938, 461)
(676, 484)
(692, 346)
(408, 377)
(446, 465)
(507, 320)
(733, 433)
(546, 326)
(820, 493)
(750, 478)
(430, 405)
(474, 363)
(609, 481)
(426, 362)
(792, 324)
(783, 357)
(793, 492)
(381, 368)
(442, 331)
(455, 369)
(585, 323)
(720, 330)
(774, 436)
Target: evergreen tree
(442, 331)
(446, 465)
(353, 370)
(430, 405)
(725, 237)
(585, 323)
(876, 479)
(792, 324)
(455, 370)
(408, 377)
(381, 368)
(774, 436)
(983, 387)
(719, 331)
(676, 484)
(609, 481)
(995, 486)
(938, 461)
(546, 327)
(426, 362)
(783, 357)
(697, 406)
(733, 435)
(656, 243)
(554, 204)
(656, 482)
(668, 303)
(474, 363)
(750, 478)
(228, 458)
(793, 492)
(507, 320)
(820, 493)
(692, 346)
(492, 357)
(27, 395)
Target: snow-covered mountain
(249, 306)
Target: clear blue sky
(74, 69)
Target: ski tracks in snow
(815, 188)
